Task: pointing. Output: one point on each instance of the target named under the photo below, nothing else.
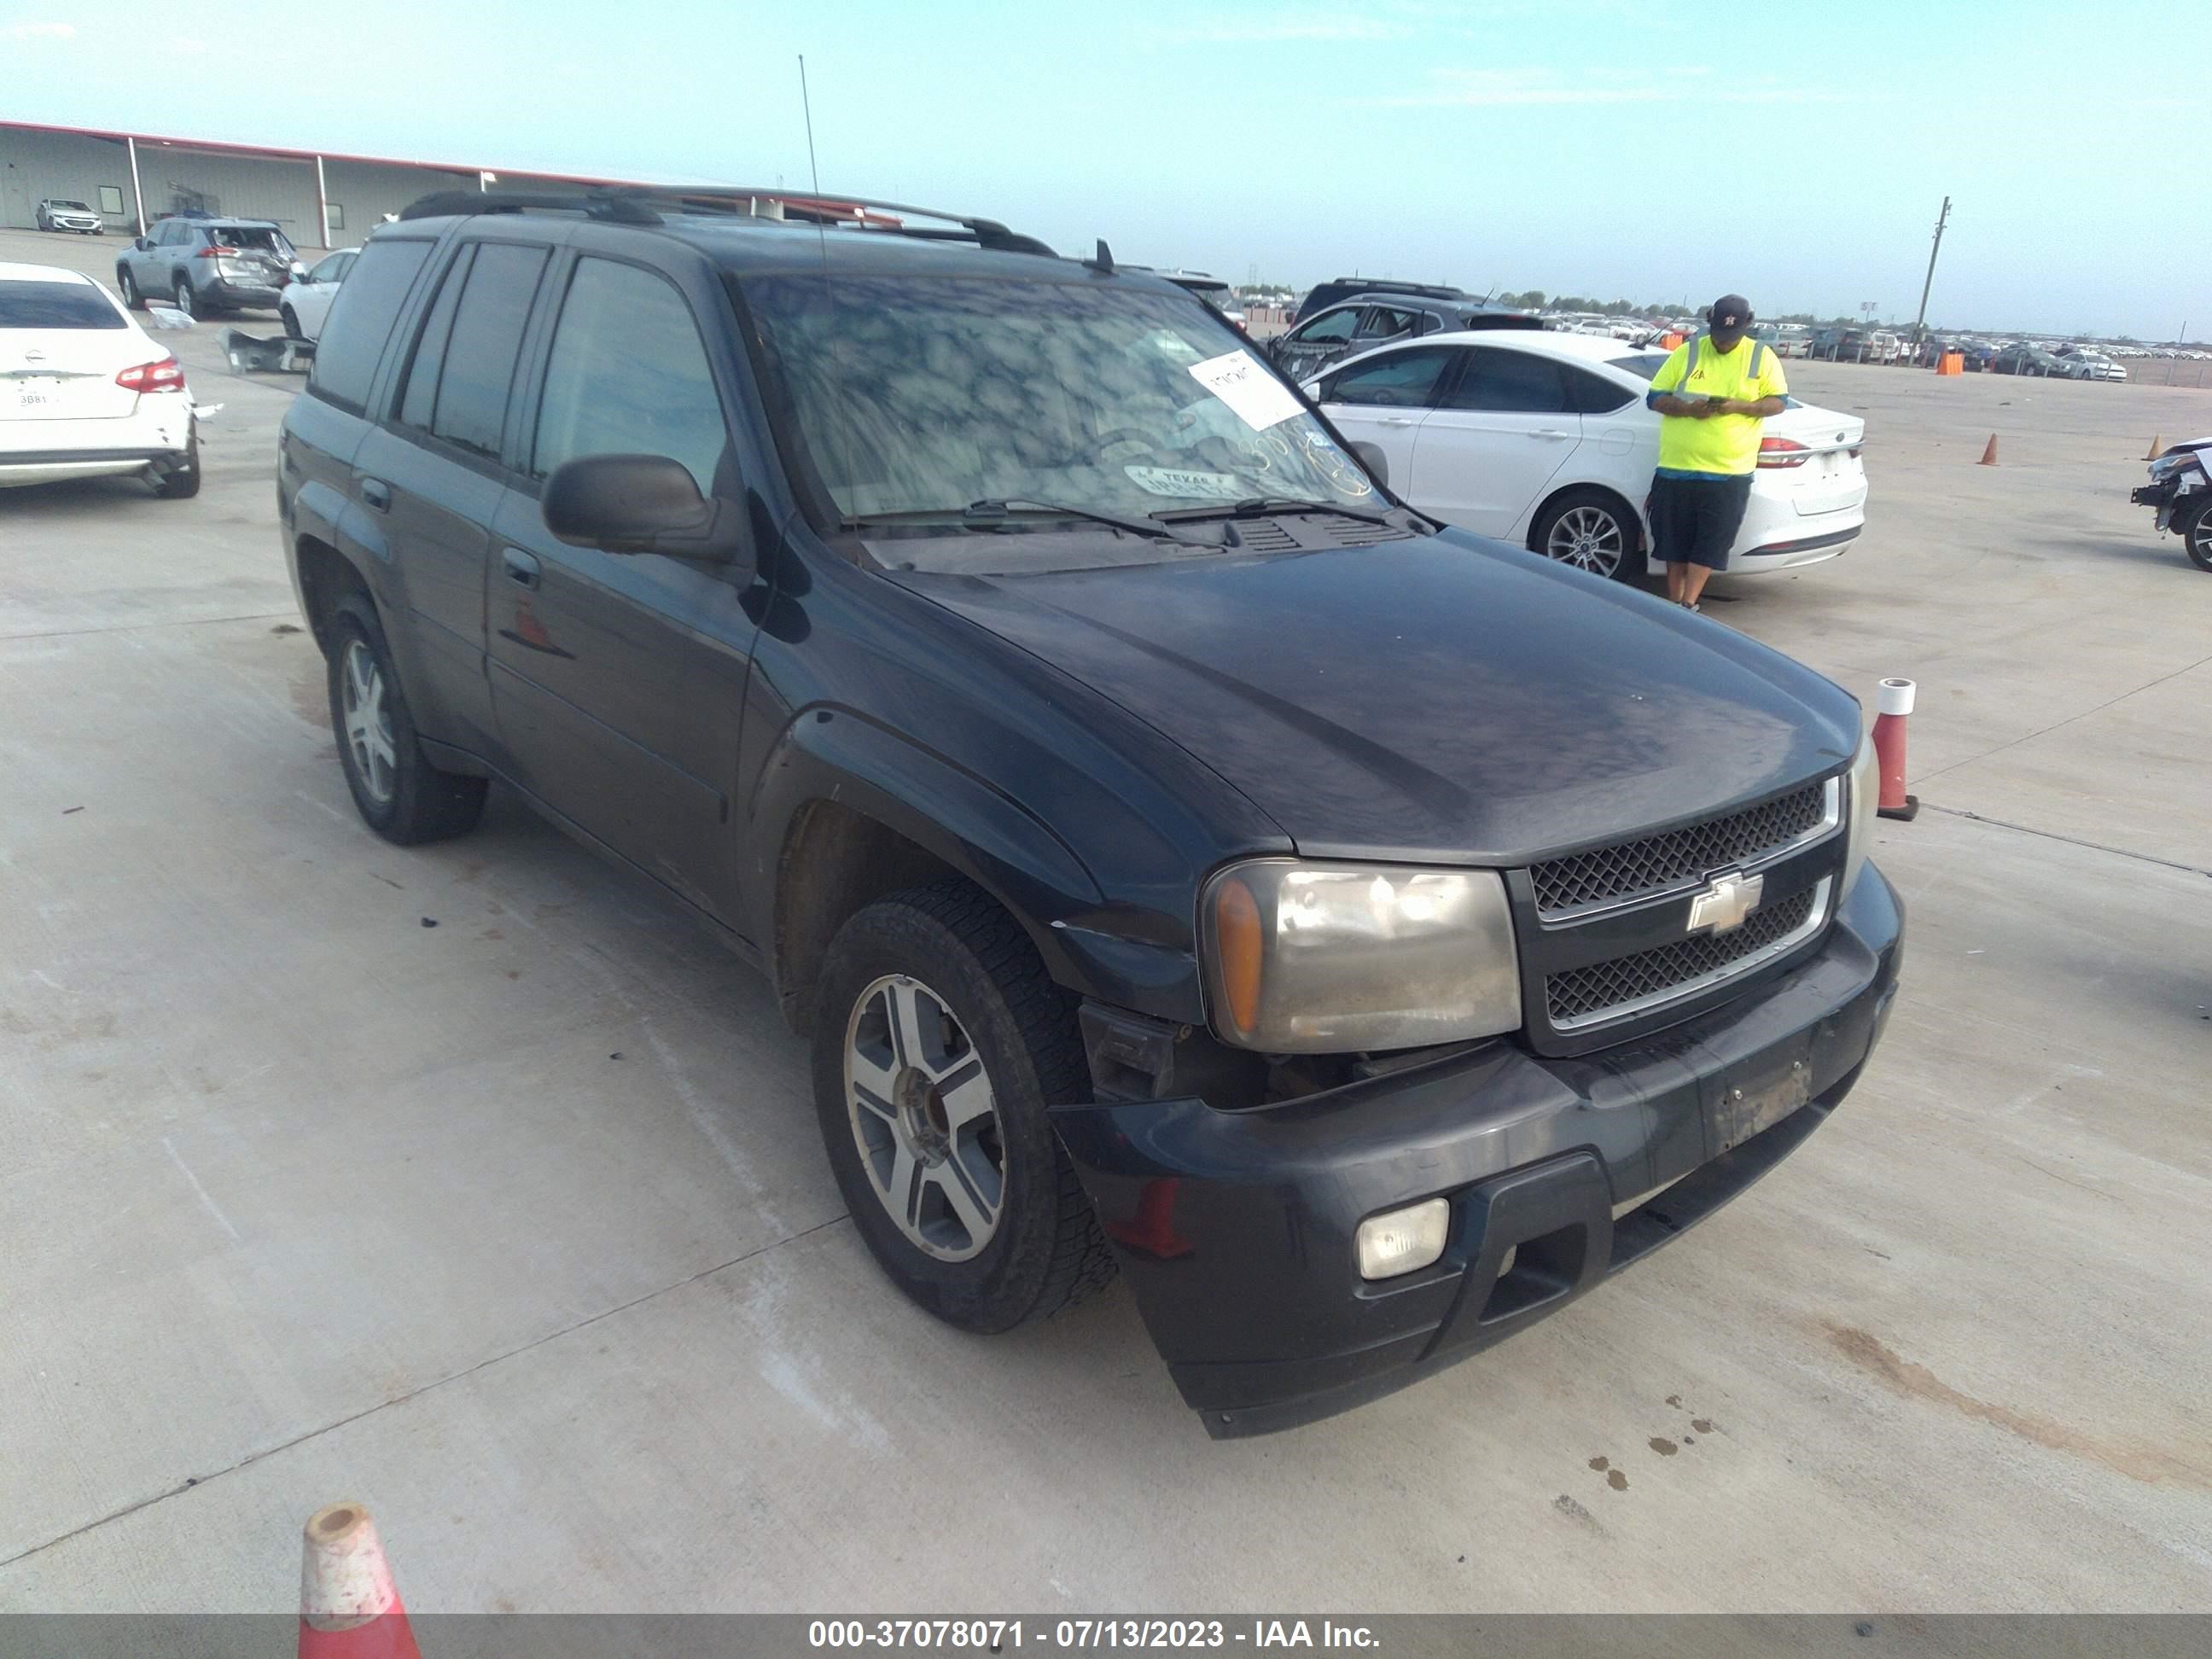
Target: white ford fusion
(1545, 439)
(85, 393)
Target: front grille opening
(1582, 993)
(1606, 873)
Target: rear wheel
(179, 480)
(396, 791)
(1591, 530)
(939, 1042)
(2197, 535)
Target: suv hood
(1444, 698)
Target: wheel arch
(325, 577)
(849, 811)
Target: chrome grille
(1631, 867)
(1580, 996)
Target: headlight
(1330, 959)
(1865, 795)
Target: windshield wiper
(985, 514)
(1264, 508)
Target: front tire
(396, 790)
(182, 294)
(939, 1042)
(291, 323)
(1592, 532)
(128, 285)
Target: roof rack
(650, 205)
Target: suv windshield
(921, 396)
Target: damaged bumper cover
(1237, 1228)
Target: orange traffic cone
(1895, 704)
(2157, 447)
(349, 1607)
(1990, 453)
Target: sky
(1651, 152)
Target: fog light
(1403, 1240)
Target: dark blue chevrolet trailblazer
(1182, 856)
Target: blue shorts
(1695, 521)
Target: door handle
(1393, 420)
(1550, 432)
(375, 493)
(521, 568)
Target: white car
(306, 301)
(1545, 439)
(84, 391)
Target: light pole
(1920, 322)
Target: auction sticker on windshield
(1239, 380)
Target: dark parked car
(2021, 358)
(1322, 296)
(1180, 855)
(204, 266)
(1377, 319)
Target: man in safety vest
(1716, 391)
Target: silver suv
(205, 265)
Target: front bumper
(1237, 1228)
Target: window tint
(1512, 382)
(1336, 326)
(362, 314)
(628, 375)
(420, 399)
(487, 338)
(56, 305)
(1384, 323)
(331, 269)
(1644, 365)
(1399, 379)
(1593, 394)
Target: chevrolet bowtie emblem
(1725, 903)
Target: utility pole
(1920, 324)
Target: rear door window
(56, 305)
(457, 385)
(361, 316)
(1593, 394)
(1384, 323)
(630, 375)
(1509, 382)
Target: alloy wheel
(925, 1118)
(368, 721)
(1590, 539)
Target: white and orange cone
(349, 1607)
(1895, 704)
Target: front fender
(960, 818)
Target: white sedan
(85, 391)
(1545, 439)
(306, 301)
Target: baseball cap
(1730, 315)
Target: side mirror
(641, 504)
(142, 244)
